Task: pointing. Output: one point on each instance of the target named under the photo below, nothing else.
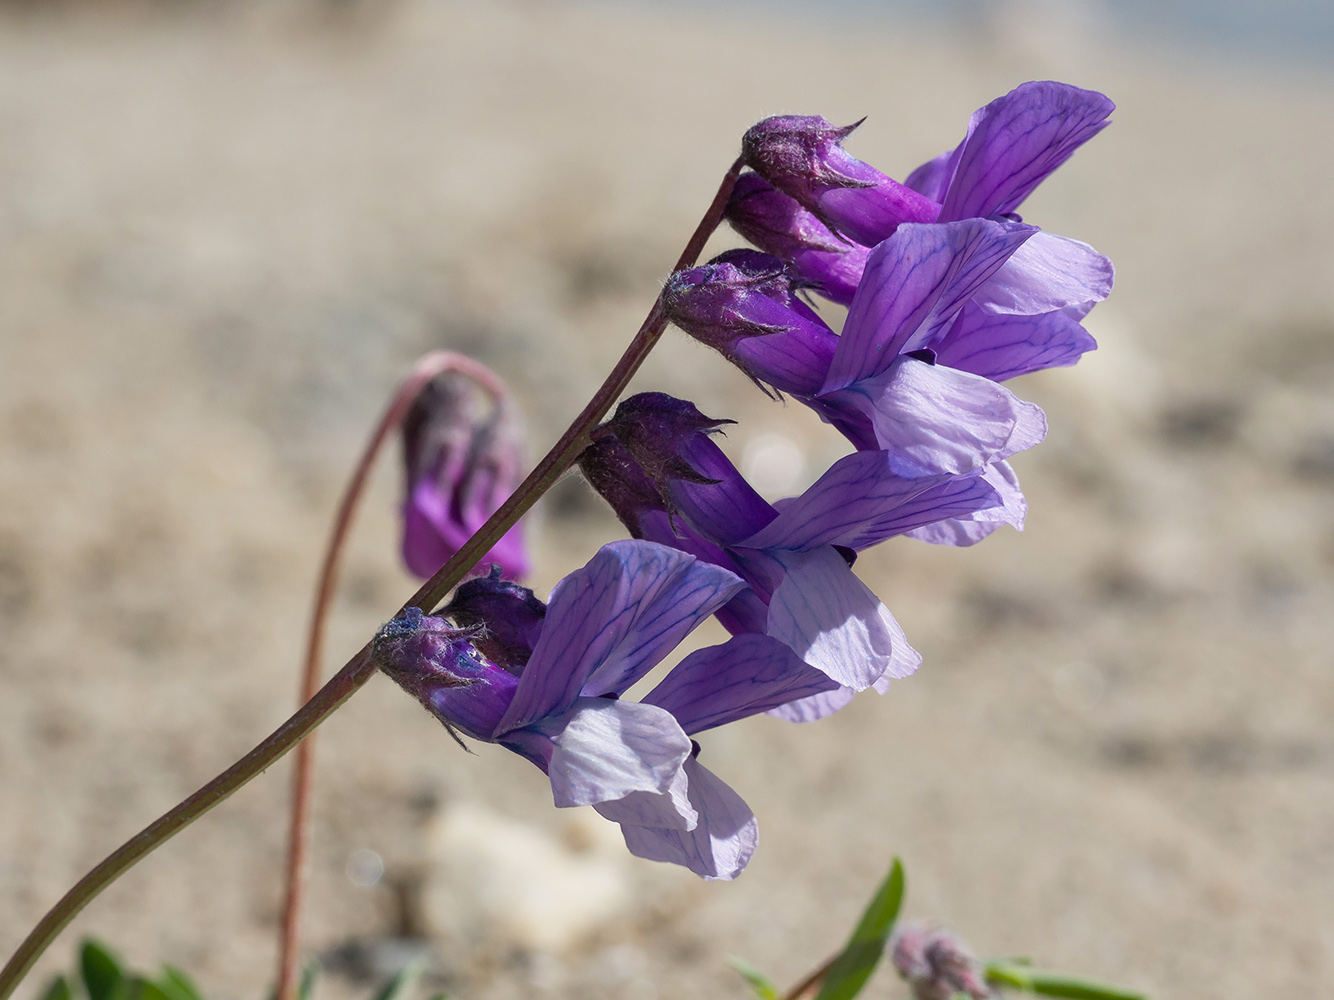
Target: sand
(224, 233)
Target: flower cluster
(949, 293)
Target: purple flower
(657, 466)
(880, 383)
(1027, 315)
(552, 691)
(462, 445)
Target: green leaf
(1054, 984)
(103, 972)
(762, 986)
(146, 989)
(854, 965)
(401, 983)
(308, 976)
(58, 990)
(178, 983)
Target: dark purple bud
(616, 477)
(440, 667)
(778, 225)
(742, 304)
(503, 618)
(462, 444)
(670, 440)
(803, 156)
(936, 964)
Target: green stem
(361, 667)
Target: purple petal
(1003, 347)
(795, 360)
(817, 706)
(833, 621)
(861, 501)
(915, 282)
(972, 528)
(932, 178)
(935, 419)
(722, 511)
(610, 622)
(722, 843)
(604, 750)
(744, 676)
(670, 810)
(1048, 272)
(1016, 141)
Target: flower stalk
(362, 666)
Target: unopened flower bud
(741, 303)
(503, 618)
(936, 964)
(778, 225)
(803, 156)
(462, 444)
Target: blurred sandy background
(226, 230)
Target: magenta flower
(462, 446)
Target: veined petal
(1004, 347)
(744, 676)
(1048, 272)
(935, 419)
(605, 749)
(719, 847)
(610, 622)
(860, 501)
(669, 810)
(816, 706)
(932, 178)
(1016, 141)
(913, 285)
(969, 529)
(833, 621)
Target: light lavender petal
(719, 847)
(934, 419)
(1048, 272)
(744, 676)
(833, 621)
(605, 749)
(913, 285)
(670, 810)
(817, 706)
(972, 528)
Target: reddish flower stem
(362, 666)
(422, 373)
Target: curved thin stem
(426, 369)
(361, 667)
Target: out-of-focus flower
(545, 682)
(657, 466)
(936, 964)
(463, 448)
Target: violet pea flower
(552, 692)
(667, 481)
(882, 383)
(605, 626)
(1011, 145)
